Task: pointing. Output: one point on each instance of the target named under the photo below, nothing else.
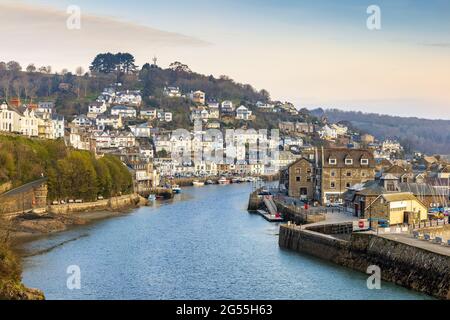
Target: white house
(29, 123)
(340, 129)
(124, 111)
(97, 107)
(243, 113)
(172, 92)
(198, 97)
(227, 107)
(102, 121)
(82, 121)
(9, 119)
(328, 133)
(149, 114)
(45, 107)
(142, 130)
(129, 98)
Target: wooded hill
(72, 174)
(424, 135)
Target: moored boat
(176, 188)
(223, 180)
(197, 183)
(209, 182)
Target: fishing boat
(223, 180)
(176, 188)
(197, 183)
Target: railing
(429, 224)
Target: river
(201, 245)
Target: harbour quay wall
(299, 215)
(408, 266)
(113, 204)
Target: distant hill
(424, 135)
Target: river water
(201, 245)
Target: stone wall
(115, 203)
(404, 265)
(299, 215)
(26, 198)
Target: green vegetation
(11, 287)
(71, 173)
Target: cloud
(40, 35)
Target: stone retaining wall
(402, 264)
(115, 203)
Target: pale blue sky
(313, 53)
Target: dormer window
(348, 161)
(332, 161)
(364, 162)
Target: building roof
(340, 154)
(391, 197)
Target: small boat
(152, 197)
(197, 183)
(223, 180)
(209, 182)
(235, 180)
(176, 188)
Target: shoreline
(28, 228)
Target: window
(308, 171)
(297, 171)
(332, 185)
(308, 179)
(348, 185)
(332, 161)
(363, 173)
(333, 173)
(349, 173)
(365, 162)
(297, 179)
(349, 162)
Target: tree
(3, 66)
(43, 69)
(179, 67)
(109, 63)
(14, 66)
(104, 63)
(31, 68)
(265, 94)
(125, 63)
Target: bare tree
(43, 69)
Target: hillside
(429, 136)
(71, 173)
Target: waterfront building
(341, 168)
(299, 179)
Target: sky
(313, 53)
